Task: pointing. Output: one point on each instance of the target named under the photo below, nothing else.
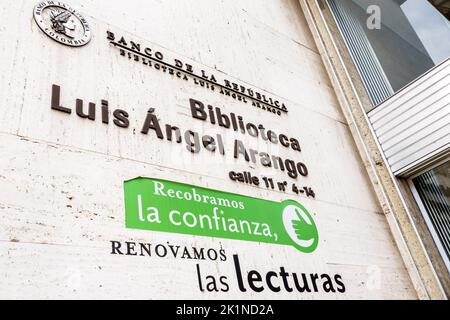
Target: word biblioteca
(194, 142)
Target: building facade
(276, 149)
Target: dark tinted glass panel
(411, 38)
(434, 191)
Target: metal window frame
(425, 215)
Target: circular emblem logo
(62, 23)
(300, 227)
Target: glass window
(433, 189)
(411, 38)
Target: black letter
(240, 149)
(198, 110)
(81, 114)
(269, 276)
(116, 247)
(121, 118)
(105, 112)
(192, 141)
(151, 122)
(110, 36)
(238, 273)
(225, 285)
(304, 287)
(341, 287)
(169, 132)
(56, 95)
(131, 249)
(254, 276)
(285, 275)
(314, 278)
(222, 119)
(328, 283)
(199, 278)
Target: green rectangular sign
(166, 206)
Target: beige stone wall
(61, 177)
